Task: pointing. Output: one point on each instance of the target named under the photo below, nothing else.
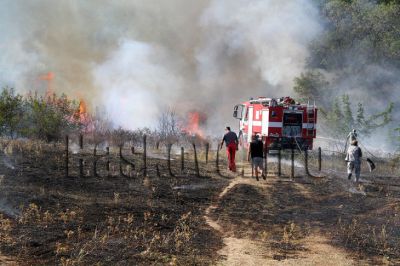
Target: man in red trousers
(231, 142)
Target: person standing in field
(352, 136)
(353, 159)
(231, 142)
(256, 153)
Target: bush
(11, 113)
(37, 117)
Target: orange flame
(195, 119)
(82, 114)
(82, 107)
(48, 76)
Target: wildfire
(195, 120)
(82, 113)
(84, 117)
(82, 108)
(48, 76)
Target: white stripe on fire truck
(257, 123)
(274, 124)
(309, 125)
(279, 124)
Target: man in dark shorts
(256, 153)
(231, 141)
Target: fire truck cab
(282, 123)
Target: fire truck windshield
(292, 124)
(238, 111)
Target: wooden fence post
(144, 155)
(169, 147)
(217, 159)
(207, 149)
(319, 159)
(306, 161)
(124, 161)
(279, 162)
(158, 170)
(108, 160)
(196, 163)
(121, 172)
(243, 157)
(95, 161)
(80, 155)
(66, 156)
(292, 167)
(81, 141)
(182, 159)
(266, 161)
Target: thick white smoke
(136, 84)
(253, 48)
(136, 57)
(245, 49)
(272, 36)
(17, 60)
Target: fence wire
(134, 159)
(185, 158)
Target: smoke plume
(136, 58)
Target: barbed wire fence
(183, 158)
(81, 157)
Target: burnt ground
(49, 219)
(282, 215)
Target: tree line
(358, 51)
(49, 119)
(39, 117)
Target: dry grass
(160, 220)
(106, 220)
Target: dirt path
(245, 251)
(7, 261)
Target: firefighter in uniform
(231, 142)
(353, 159)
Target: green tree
(380, 119)
(340, 119)
(347, 114)
(334, 120)
(360, 120)
(366, 31)
(310, 85)
(48, 120)
(11, 112)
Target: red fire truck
(282, 123)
